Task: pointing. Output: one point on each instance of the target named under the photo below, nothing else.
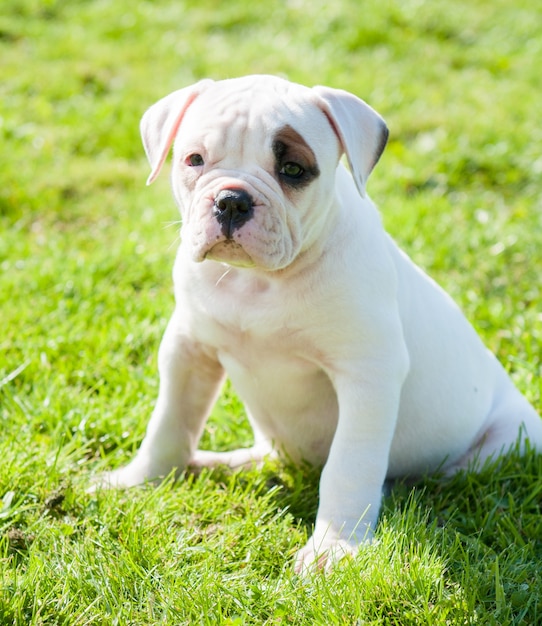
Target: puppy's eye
(195, 160)
(292, 170)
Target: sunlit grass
(85, 292)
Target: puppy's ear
(361, 131)
(160, 123)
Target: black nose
(232, 208)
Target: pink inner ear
(360, 183)
(335, 128)
(170, 137)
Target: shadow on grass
(470, 502)
(500, 506)
(293, 488)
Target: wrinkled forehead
(230, 112)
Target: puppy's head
(254, 163)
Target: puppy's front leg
(190, 379)
(354, 473)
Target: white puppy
(343, 351)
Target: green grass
(85, 292)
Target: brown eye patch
(295, 162)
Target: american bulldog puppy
(344, 352)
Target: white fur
(344, 352)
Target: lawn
(86, 252)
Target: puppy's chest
(250, 337)
(237, 314)
(284, 388)
(255, 322)
(260, 338)
(266, 342)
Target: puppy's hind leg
(242, 457)
(239, 458)
(513, 421)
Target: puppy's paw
(137, 472)
(235, 459)
(322, 554)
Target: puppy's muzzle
(232, 208)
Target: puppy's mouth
(230, 252)
(238, 227)
(233, 207)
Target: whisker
(174, 243)
(177, 239)
(171, 224)
(223, 276)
